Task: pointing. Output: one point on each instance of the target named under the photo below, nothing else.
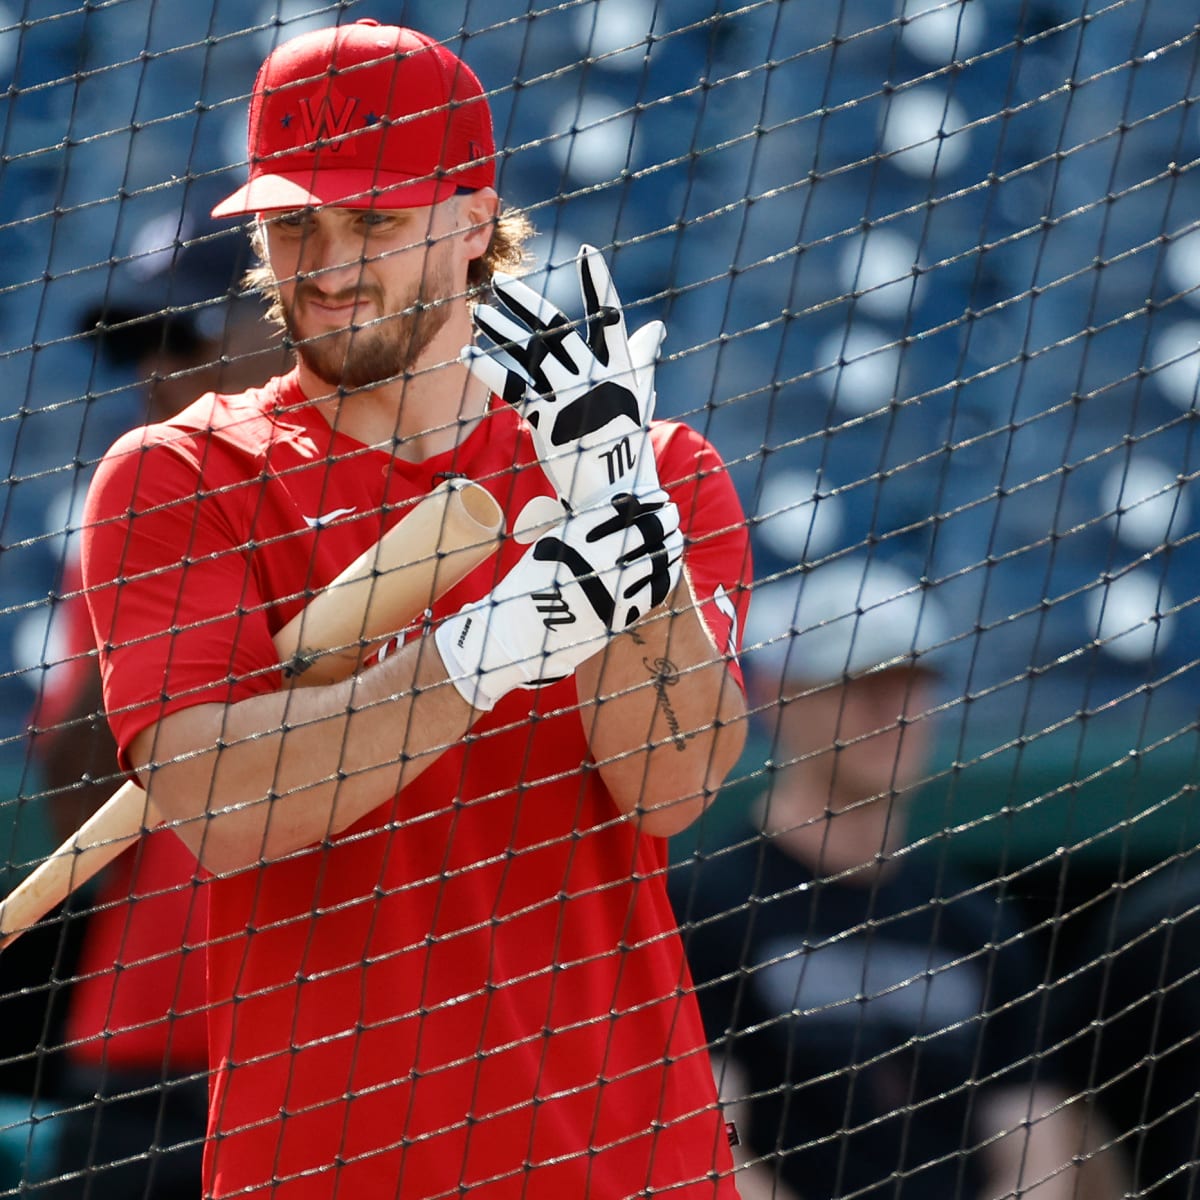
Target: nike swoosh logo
(324, 518)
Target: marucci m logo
(618, 460)
(554, 609)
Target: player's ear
(477, 217)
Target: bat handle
(114, 826)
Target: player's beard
(379, 351)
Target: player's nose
(331, 260)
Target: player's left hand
(586, 389)
(590, 577)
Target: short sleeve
(718, 543)
(174, 604)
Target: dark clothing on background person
(1133, 1039)
(862, 1017)
(134, 1136)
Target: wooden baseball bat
(445, 536)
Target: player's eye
(376, 222)
(294, 221)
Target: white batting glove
(591, 576)
(587, 391)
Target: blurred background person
(175, 317)
(876, 1020)
(134, 1081)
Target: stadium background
(930, 278)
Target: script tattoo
(666, 675)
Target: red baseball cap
(360, 116)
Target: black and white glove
(589, 577)
(587, 391)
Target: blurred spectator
(174, 314)
(1132, 1027)
(875, 1019)
(135, 1029)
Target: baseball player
(441, 958)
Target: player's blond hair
(506, 251)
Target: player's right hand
(586, 390)
(589, 577)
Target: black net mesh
(929, 273)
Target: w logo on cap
(330, 120)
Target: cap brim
(341, 189)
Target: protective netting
(929, 273)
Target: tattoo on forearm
(666, 675)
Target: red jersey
(479, 985)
